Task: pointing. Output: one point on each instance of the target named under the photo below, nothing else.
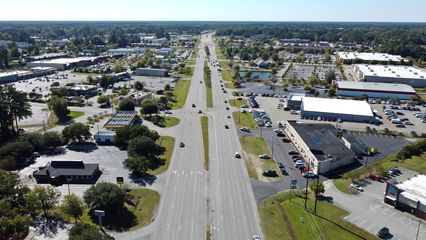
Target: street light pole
(316, 192)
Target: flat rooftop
(414, 188)
(381, 57)
(338, 106)
(322, 140)
(66, 60)
(121, 119)
(6, 74)
(375, 87)
(296, 96)
(391, 71)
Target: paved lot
(368, 211)
(304, 71)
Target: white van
(396, 121)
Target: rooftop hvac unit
(416, 73)
(398, 75)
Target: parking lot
(110, 161)
(304, 71)
(368, 211)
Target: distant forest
(406, 39)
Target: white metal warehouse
(335, 109)
(374, 89)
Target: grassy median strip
(187, 72)
(244, 120)
(205, 130)
(208, 83)
(254, 146)
(284, 219)
(169, 144)
(181, 93)
(237, 103)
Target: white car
(264, 156)
(244, 129)
(357, 187)
(256, 237)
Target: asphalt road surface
(233, 210)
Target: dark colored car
(280, 134)
(293, 153)
(383, 233)
(199, 111)
(270, 173)
(193, 105)
(286, 140)
(226, 127)
(295, 156)
(280, 165)
(182, 144)
(395, 170)
(375, 177)
(227, 108)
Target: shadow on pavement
(48, 227)
(144, 180)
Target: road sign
(120, 180)
(99, 213)
(293, 184)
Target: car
(400, 125)
(400, 113)
(309, 174)
(299, 164)
(226, 101)
(168, 112)
(270, 173)
(356, 187)
(201, 81)
(408, 123)
(280, 165)
(224, 91)
(244, 129)
(383, 233)
(237, 155)
(199, 111)
(395, 170)
(297, 159)
(280, 134)
(227, 108)
(264, 156)
(35, 154)
(193, 105)
(226, 126)
(229, 116)
(293, 153)
(293, 112)
(375, 177)
(278, 130)
(295, 156)
(182, 144)
(286, 140)
(256, 237)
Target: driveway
(368, 211)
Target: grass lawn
(343, 185)
(138, 212)
(169, 144)
(181, 93)
(168, 121)
(230, 85)
(284, 219)
(254, 146)
(205, 130)
(188, 72)
(190, 62)
(227, 75)
(244, 120)
(423, 96)
(53, 121)
(209, 96)
(237, 103)
(208, 83)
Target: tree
(317, 188)
(126, 104)
(59, 92)
(13, 224)
(330, 76)
(125, 134)
(138, 86)
(106, 80)
(51, 140)
(83, 231)
(149, 108)
(144, 146)
(19, 150)
(42, 199)
(76, 132)
(119, 67)
(14, 105)
(138, 164)
(73, 206)
(104, 100)
(307, 87)
(167, 87)
(105, 196)
(59, 106)
(163, 101)
(382, 172)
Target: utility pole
(316, 192)
(418, 229)
(306, 193)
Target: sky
(216, 10)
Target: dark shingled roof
(322, 140)
(68, 168)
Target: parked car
(356, 187)
(237, 155)
(395, 170)
(286, 140)
(256, 237)
(226, 126)
(193, 105)
(270, 173)
(280, 165)
(383, 233)
(375, 177)
(264, 156)
(293, 153)
(309, 175)
(182, 144)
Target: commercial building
(122, 119)
(60, 172)
(390, 74)
(8, 77)
(127, 51)
(260, 63)
(319, 146)
(294, 101)
(45, 56)
(65, 63)
(409, 196)
(105, 137)
(138, 97)
(42, 71)
(374, 90)
(336, 109)
(83, 90)
(357, 57)
(154, 72)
